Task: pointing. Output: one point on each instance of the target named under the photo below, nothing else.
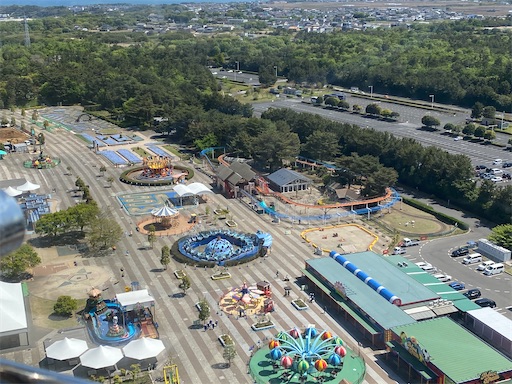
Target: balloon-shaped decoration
(282, 336)
(294, 333)
(340, 351)
(302, 366)
(276, 353)
(326, 335)
(287, 361)
(337, 341)
(273, 343)
(334, 359)
(320, 365)
(312, 331)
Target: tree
(469, 129)
(5, 121)
(185, 284)
(321, 145)
(479, 131)
(331, 101)
(477, 110)
(17, 262)
(103, 169)
(165, 257)
(83, 214)
(509, 142)
(343, 105)
(104, 232)
(502, 236)
(41, 140)
(65, 306)
(229, 353)
(13, 121)
(357, 108)
(489, 135)
(430, 121)
(373, 109)
(110, 180)
(449, 127)
(135, 370)
(151, 235)
(204, 310)
(489, 112)
(35, 115)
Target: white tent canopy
(101, 357)
(12, 191)
(164, 211)
(28, 186)
(131, 299)
(12, 307)
(143, 348)
(191, 190)
(68, 348)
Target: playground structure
(345, 209)
(248, 300)
(224, 246)
(307, 356)
(106, 321)
(42, 162)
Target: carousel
(248, 300)
(166, 220)
(166, 216)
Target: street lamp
(432, 101)
(237, 68)
(275, 67)
(371, 91)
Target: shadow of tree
(220, 365)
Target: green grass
(42, 313)
(141, 152)
(109, 131)
(176, 152)
(424, 223)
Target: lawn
(42, 313)
(141, 152)
(408, 219)
(176, 152)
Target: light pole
(237, 68)
(432, 101)
(371, 91)
(275, 67)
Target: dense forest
(166, 76)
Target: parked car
(484, 265)
(507, 176)
(442, 277)
(508, 164)
(422, 264)
(458, 286)
(473, 294)
(472, 259)
(497, 179)
(497, 161)
(458, 138)
(485, 302)
(462, 251)
(480, 167)
(399, 251)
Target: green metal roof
(377, 307)
(454, 350)
(386, 271)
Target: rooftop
(286, 176)
(454, 350)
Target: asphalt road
(247, 78)
(409, 126)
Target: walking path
(197, 353)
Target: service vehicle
(484, 265)
(399, 251)
(472, 259)
(409, 242)
(494, 269)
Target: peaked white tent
(101, 357)
(28, 186)
(13, 318)
(143, 348)
(68, 348)
(129, 300)
(164, 211)
(12, 191)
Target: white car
(484, 265)
(497, 179)
(442, 277)
(230, 71)
(497, 161)
(458, 138)
(427, 267)
(422, 264)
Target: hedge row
(438, 215)
(178, 256)
(125, 179)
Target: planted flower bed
(226, 340)
(221, 275)
(180, 274)
(300, 304)
(231, 223)
(260, 326)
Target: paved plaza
(197, 353)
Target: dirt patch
(12, 135)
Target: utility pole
(27, 34)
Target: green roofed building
(442, 351)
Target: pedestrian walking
(277, 274)
(205, 327)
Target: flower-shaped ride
(306, 353)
